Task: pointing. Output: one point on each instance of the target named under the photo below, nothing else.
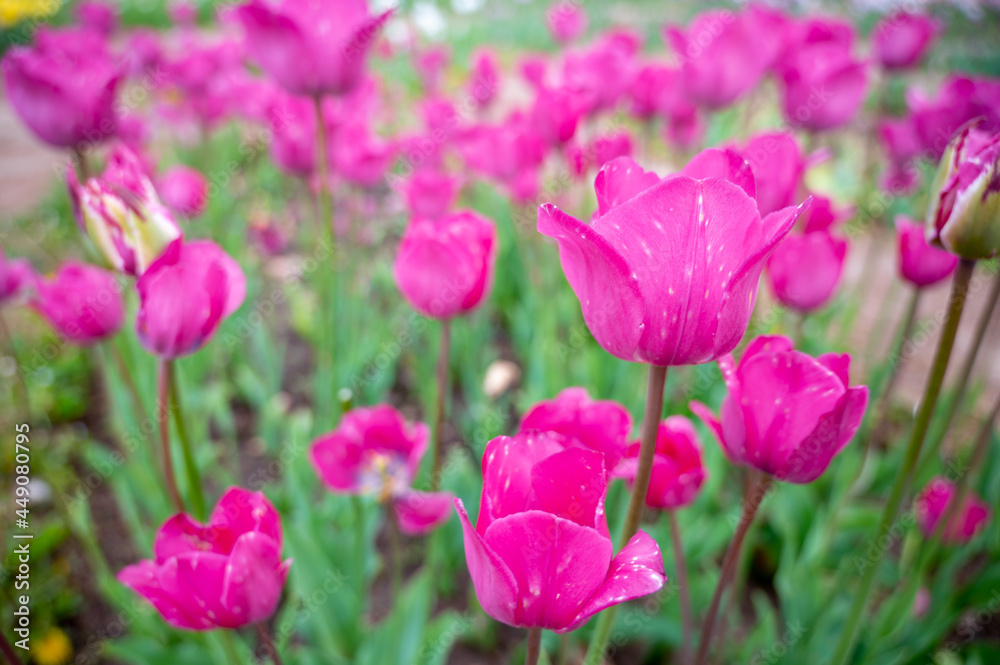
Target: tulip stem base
(750, 507)
(956, 303)
(268, 642)
(190, 466)
(442, 396)
(687, 619)
(534, 646)
(162, 416)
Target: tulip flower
(599, 75)
(556, 114)
(959, 100)
(292, 121)
(805, 269)
(83, 303)
(311, 48)
(963, 215)
(445, 267)
(227, 573)
(787, 414)
(16, 278)
(430, 65)
(540, 555)
(652, 90)
(601, 425)
(668, 272)
(430, 194)
(183, 13)
(122, 215)
(935, 502)
(567, 20)
(901, 40)
(101, 17)
(919, 263)
(185, 190)
(822, 86)
(185, 295)
(376, 452)
(63, 87)
(778, 168)
(484, 79)
(678, 470)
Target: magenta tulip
(83, 303)
(430, 64)
(484, 79)
(183, 13)
(98, 16)
(652, 90)
(556, 114)
(678, 470)
(601, 425)
(960, 99)
(292, 121)
(540, 555)
(311, 47)
(805, 270)
(63, 87)
(430, 194)
(823, 215)
(919, 263)
(374, 451)
(184, 190)
(823, 86)
(599, 75)
(934, 502)
(787, 414)
(185, 295)
(567, 20)
(603, 149)
(668, 272)
(227, 573)
(778, 168)
(444, 267)
(17, 277)
(901, 40)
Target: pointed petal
(254, 578)
(618, 181)
(495, 585)
(726, 164)
(418, 513)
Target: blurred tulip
(959, 100)
(292, 121)
(823, 215)
(184, 190)
(17, 277)
(603, 149)
(567, 20)
(540, 555)
(183, 13)
(534, 69)
(444, 267)
(901, 40)
(778, 168)
(374, 451)
(142, 54)
(96, 15)
(311, 47)
(599, 75)
(484, 78)
(934, 502)
(678, 470)
(83, 303)
(430, 64)
(823, 87)
(601, 425)
(963, 214)
(805, 269)
(185, 295)
(268, 238)
(787, 414)
(639, 301)
(556, 113)
(656, 90)
(430, 194)
(122, 215)
(63, 87)
(919, 263)
(227, 573)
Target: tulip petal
(726, 164)
(254, 578)
(833, 432)
(608, 290)
(144, 579)
(636, 571)
(557, 564)
(240, 511)
(181, 534)
(618, 181)
(495, 585)
(557, 489)
(418, 513)
(507, 473)
(195, 580)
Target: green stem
(956, 302)
(395, 549)
(534, 646)
(190, 466)
(230, 648)
(326, 342)
(162, 410)
(442, 397)
(729, 562)
(268, 641)
(22, 384)
(687, 619)
(650, 427)
(127, 378)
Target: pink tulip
(919, 263)
(506, 152)
(183, 13)
(959, 100)
(430, 194)
(268, 237)
(823, 87)
(678, 471)
(540, 555)
(143, 53)
(556, 114)
(484, 79)
(805, 269)
(359, 156)
(721, 57)
(430, 64)
(601, 425)
(17, 277)
(567, 20)
(599, 75)
(934, 502)
(83, 303)
(204, 84)
(100, 17)
(185, 190)
(787, 414)
(445, 267)
(640, 302)
(311, 47)
(823, 215)
(772, 28)
(227, 573)
(376, 452)
(292, 121)
(901, 40)
(185, 295)
(63, 87)
(603, 149)
(655, 90)
(685, 128)
(778, 167)
(901, 144)
(534, 69)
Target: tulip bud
(934, 503)
(963, 215)
(82, 302)
(121, 213)
(16, 277)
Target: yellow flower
(15, 11)
(54, 648)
